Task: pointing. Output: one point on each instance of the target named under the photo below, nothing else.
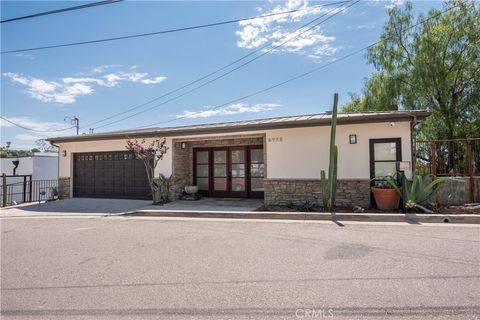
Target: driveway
(77, 206)
(150, 268)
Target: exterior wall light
(184, 145)
(64, 153)
(353, 139)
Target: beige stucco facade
(300, 153)
(292, 153)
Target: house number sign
(275, 139)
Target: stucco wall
(40, 167)
(66, 163)
(164, 166)
(300, 153)
(296, 153)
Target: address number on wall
(275, 139)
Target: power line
(300, 75)
(159, 32)
(210, 74)
(226, 73)
(84, 6)
(34, 130)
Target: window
(257, 170)
(202, 170)
(384, 157)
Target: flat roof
(321, 119)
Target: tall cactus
(329, 186)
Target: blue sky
(40, 88)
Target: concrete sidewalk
(212, 208)
(207, 205)
(312, 216)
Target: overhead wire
(34, 130)
(83, 6)
(236, 68)
(70, 44)
(205, 76)
(302, 75)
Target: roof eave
(404, 116)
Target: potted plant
(418, 191)
(386, 196)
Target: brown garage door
(110, 175)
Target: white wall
(164, 166)
(297, 153)
(45, 168)
(40, 167)
(25, 165)
(300, 153)
(66, 163)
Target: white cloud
(394, 3)
(69, 89)
(101, 68)
(50, 91)
(277, 29)
(69, 80)
(229, 110)
(388, 4)
(112, 79)
(154, 80)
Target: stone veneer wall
(298, 191)
(64, 188)
(183, 158)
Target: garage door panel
(110, 175)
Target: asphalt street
(152, 268)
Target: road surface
(152, 268)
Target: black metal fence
(27, 190)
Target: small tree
(150, 153)
(44, 146)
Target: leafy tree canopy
(429, 62)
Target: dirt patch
(466, 209)
(319, 209)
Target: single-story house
(277, 159)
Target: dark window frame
(248, 193)
(398, 156)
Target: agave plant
(163, 187)
(418, 191)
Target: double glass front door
(229, 171)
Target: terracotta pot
(386, 199)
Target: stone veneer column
(64, 188)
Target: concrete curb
(313, 216)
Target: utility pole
(74, 122)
